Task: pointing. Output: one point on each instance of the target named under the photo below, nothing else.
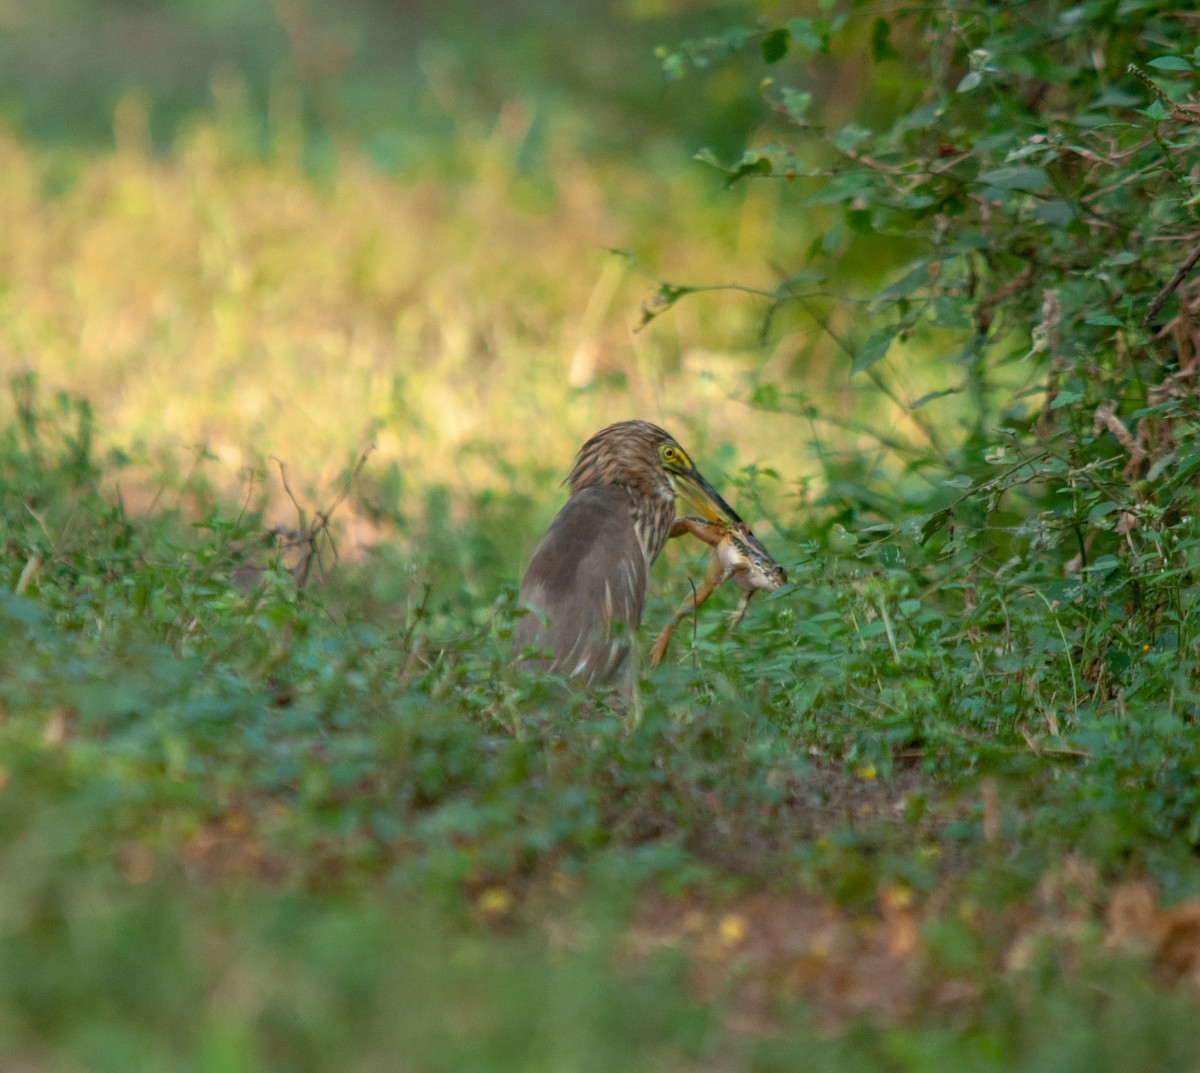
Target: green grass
(248, 825)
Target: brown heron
(737, 556)
(586, 585)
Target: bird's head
(650, 462)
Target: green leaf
(935, 523)
(1018, 178)
(765, 161)
(796, 102)
(1102, 510)
(674, 63)
(917, 202)
(970, 242)
(881, 41)
(26, 612)
(851, 136)
(1055, 213)
(1065, 398)
(845, 187)
(802, 278)
(859, 221)
(1185, 469)
(950, 313)
(765, 396)
(912, 280)
(1103, 566)
(875, 348)
(775, 45)
(931, 396)
(662, 300)
(752, 163)
(1170, 63)
(804, 34)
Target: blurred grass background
(297, 230)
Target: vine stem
(1180, 274)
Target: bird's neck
(652, 520)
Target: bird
(737, 556)
(585, 589)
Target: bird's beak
(691, 487)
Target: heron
(585, 589)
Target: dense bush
(1005, 216)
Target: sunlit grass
(213, 298)
(469, 318)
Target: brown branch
(1162, 296)
(288, 489)
(1048, 334)
(986, 309)
(308, 537)
(1115, 159)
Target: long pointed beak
(703, 497)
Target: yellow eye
(670, 454)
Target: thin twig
(308, 537)
(288, 489)
(985, 310)
(1162, 296)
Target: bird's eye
(669, 453)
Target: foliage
(1022, 175)
(218, 772)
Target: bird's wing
(587, 574)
